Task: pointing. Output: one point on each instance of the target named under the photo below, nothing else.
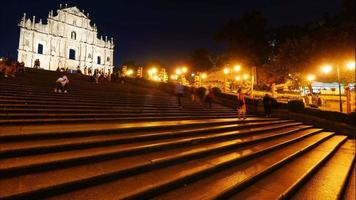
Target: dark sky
(166, 30)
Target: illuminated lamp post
(327, 69)
(226, 72)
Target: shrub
(352, 118)
(296, 105)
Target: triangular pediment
(75, 11)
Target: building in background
(67, 40)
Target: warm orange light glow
(152, 71)
(350, 65)
(237, 78)
(178, 71)
(203, 76)
(226, 70)
(174, 77)
(326, 69)
(237, 68)
(245, 76)
(184, 69)
(129, 72)
(311, 77)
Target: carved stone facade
(67, 40)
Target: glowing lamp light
(178, 71)
(350, 65)
(226, 70)
(237, 78)
(129, 72)
(203, 76)
(245, 76)
(152, 71)
(192, 74)
(311, 77)
(174, 77)
(326, 69)
(184, 69)
(156, 78)
(237, 68)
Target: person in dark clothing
(268, 104)
(209, 95)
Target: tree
(203, 60)
(246, 39)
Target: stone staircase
(113, 141)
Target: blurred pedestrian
(241, 105)
(267, 105)
(179, 90)
(209, 95)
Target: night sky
(166, 30)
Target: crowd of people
(208, 98)
(9, 67)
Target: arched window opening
(108, 59)
(72, 54)
(99, 60)
(73, 35)
(40, 49)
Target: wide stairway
(121, 141)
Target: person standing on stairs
(241, 105)
(179, 90)
(209, 95)
(267, 105)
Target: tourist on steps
(179, 92)
(241, 105)
(267, 105)
(209, 95)
(62, 84)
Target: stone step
(350, 190)
(84, 99)
(329, 181)
(33, 132)
(104, 115)
(107, 119)
(72, 176)
(113, 110)
(109, 94)
(87, 103)
(294, 173)
(149, 184)
(79, 140)
(91, 153)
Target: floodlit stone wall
(67, 40)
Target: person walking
(209, 95)
(267, 105)
(241, 105)
(179, 92)
(193, 93)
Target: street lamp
(326, 69)
(237, 68)
(311, 77)
(350, 65)
(184, 69)
(129, 72)
(245, 76)
(226, 72)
